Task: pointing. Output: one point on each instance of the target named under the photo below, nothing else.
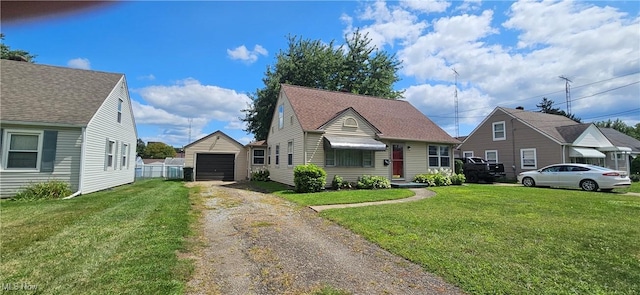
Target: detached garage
(216, 157)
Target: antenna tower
(455, 97)
(567, 90)
(190, 120)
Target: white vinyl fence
(155, 171)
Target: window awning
(354, 143)
(585, 153)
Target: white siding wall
(66, 165)
(219, 143)
(103, 126)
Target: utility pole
(455, 97)
(567, 90)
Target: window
(277, 154)
(280, 116)
(23, 150)
(348, 158)
(120, 101)
(290, 153)
(498, 131)
(467, 154)
(269, 156)
(125, 152)
(110, 150)
(617, 156)
(258, 157)
(491, 156)
(439, 156)
(350, 122)
(528, 159)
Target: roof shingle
(396, 119)
(549, 124)
(49, 94)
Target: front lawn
(513, 240)
(120, 241)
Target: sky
(191, 66)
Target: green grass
(513, 240)
(344, 196)
(634, 188)
(121, 241)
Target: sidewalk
(420, 193)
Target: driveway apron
(255, 243)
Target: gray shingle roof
(560, 128)
(620, 139)
(394, 118)
(49, 94)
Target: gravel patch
(255, 243)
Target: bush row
(52, 189)
(440, 177)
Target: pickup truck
(476, 169)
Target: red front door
(397, 161)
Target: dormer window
(350, 122)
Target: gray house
(66, 124)
(524, 140)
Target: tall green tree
(7, 53)
(140, 147)
(546, 106)
(158, 150)
(355, 66)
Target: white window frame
(290, 153)
(281, 116)
(504, 130)
(486, 156)
(6, 142)
(535, 159)
(467, 154)
(254, 157)
(120, 103)
(125, 152)
(439, 155)
(110, 153)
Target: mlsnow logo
(21, 286)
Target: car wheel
(589, 185)
(473, 178)
(528, 182)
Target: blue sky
(195, 63)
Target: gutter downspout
(81, 172)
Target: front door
(397, 161)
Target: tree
(546, 106)
(622, 127)
(355, 66)
(140, 147)
(7, 53)
(158, 150)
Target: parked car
(586, 177)
(476, 169)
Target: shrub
(634, 177)
(435, 177)
(260, 175)
(635, 166)
(338, 183)
(52, 189)
(373, 182)
(309, 178)
(458, 166)
(458, 179)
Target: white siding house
(65, 124)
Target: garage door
(215, 167)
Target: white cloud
(79, 63)
(426, 6)
(149, 77)
(188, 105)
(245, 55)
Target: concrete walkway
(420, 193)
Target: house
(524, 140)
(353, 135)
(66, 124)
(622, 142)
(217, 157)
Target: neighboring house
(353, 135)
(524, 140)
(217, 157)
(72, 125)
(622, 142)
